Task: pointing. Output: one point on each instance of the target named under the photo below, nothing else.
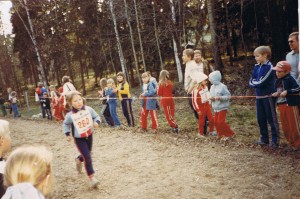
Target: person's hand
(96, 125)
(115, 90)
(283, 94)
(199, 113)
(212, 99)
(217, 98)
(276, 94)
(69, 138)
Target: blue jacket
(292, 87)
(263, 79)
(112, 100)
(151, 92)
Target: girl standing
(105, 107)
(82, 120)
(14, 104)
(124, 96)
(165, 87)
(148, 102)
(112, 102)
(200, 100)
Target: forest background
(91, 39)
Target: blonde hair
(111, 81)
(103, 83)
(197, 52)
(164, 76)
(31, 164)
(263, 50)
(70, 96)
(145, 74)
(189, 52)
(295, 34)
(122, 75)
(53, 94)
(52, 88)
(4, 128)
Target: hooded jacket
(219, 89)
(23, 191)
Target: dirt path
(135, 165)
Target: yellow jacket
(123, 90)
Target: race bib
(82, 121)
(205, 95)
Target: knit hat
(199, 77)
(283, 66)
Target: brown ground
(163, 165)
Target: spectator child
(81, 121)
(45, 101)
(148, 102)
(9, 90)
(14, 104)
(67, 87)
(28, 173)
(154, 81)
(123, 91)
(105, 106)
(2, 106)
(165, 88)
(57, 106)
(262, 80)
(5, 145)
(220, 97)
(200, 100)
(40, 90)
(112, 102)
(288, 102)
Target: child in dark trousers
(165, 88)
(81, 120)
(124, 95)
(105, 106)
(112, 102)
(262, 80)
(46, 105)
(288, 102)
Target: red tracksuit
(203, 110)
(167, 101)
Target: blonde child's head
(120, 77)
(53, 94)
(103, 83)
(164, 76)
(72, 98)
(263, 50)
(14, 93)
(52, 88)
(145, 77)
(31, 164)
(5, 139)
(111, 83)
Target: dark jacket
(292, 87)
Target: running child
(165, 88)
(148, 103)
(81, 121)
(220, 96)
(200, 101)
(123, 91)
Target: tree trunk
(214, 39)
(178, 65)
(157, 38)
(139, 33)
(132, 44)
(242, 26)
(121, 55)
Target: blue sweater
(263, 79)
(151, 92)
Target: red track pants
(223, 129)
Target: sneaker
(175, 130)
(94, 182)
(153, 130)
(141, 130)
(78, 165)
(213, 133)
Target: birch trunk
(121, 55)
(178, 64)
(132, 43)
(157, 38)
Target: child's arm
(265, 75)
(125, 89)
(67, 126)
(96, 117)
